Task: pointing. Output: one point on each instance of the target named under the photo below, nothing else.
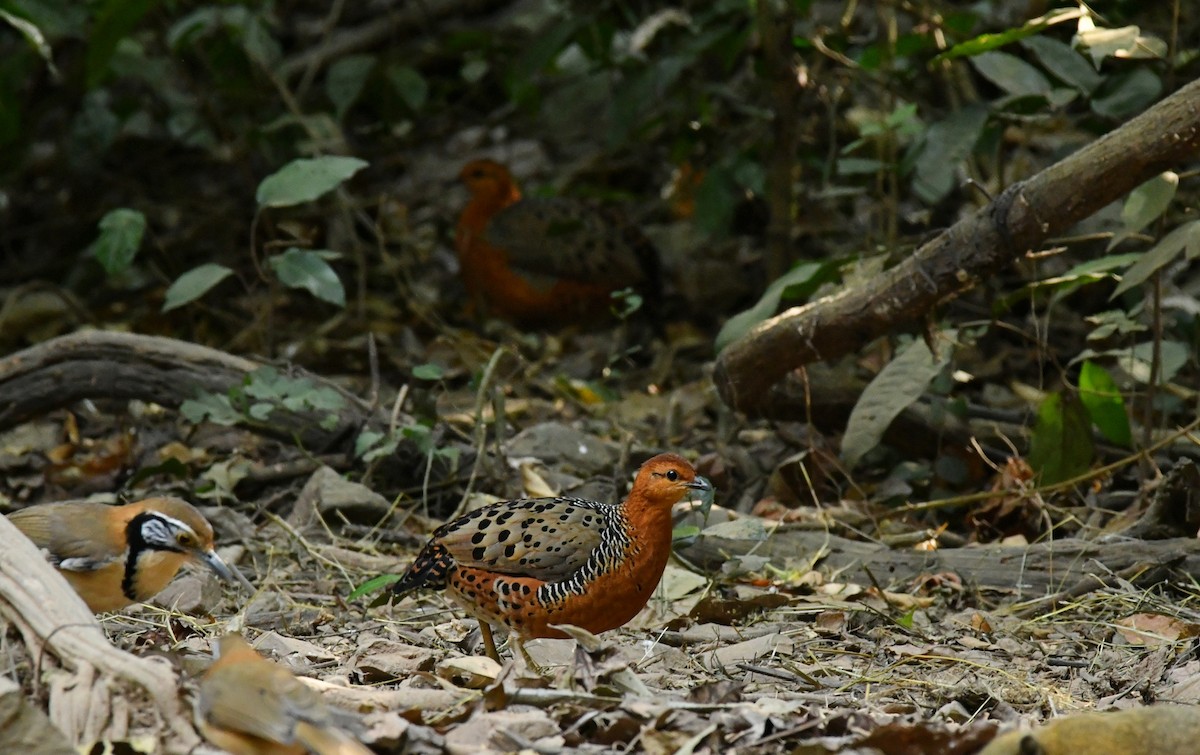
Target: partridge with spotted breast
(529, 564)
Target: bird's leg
(533, 665)
(489, 644)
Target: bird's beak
(223, 570)
(704, 491)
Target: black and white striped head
(173, 525)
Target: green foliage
(428, 372)
(1104, 404)
(305, 180)
(1061, 286)
(309, 269)
(1185, 239)
(896, 386)
(625, 303)
(346, 79)
(260, 395)
(113, 21)
(1061, 445)
(374, 584)
(32, 34)
(1145, 204)
(797, 284)
(193, 284)
(946, 144)
(988, 42)
(410, 85)
(120, 238)
(372, 446)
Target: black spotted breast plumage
(529, 564)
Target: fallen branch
(749, 371)
(1029, 571)
(97, 364)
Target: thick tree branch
(102, 365)
(1031, 571)
(1025, 215)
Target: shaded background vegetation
(747, 137)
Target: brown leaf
(1152, 629)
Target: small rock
(556, 443)
(332, 496)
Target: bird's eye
(183, 539)
(672, 475)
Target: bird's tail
(428, 571)
(328, 740)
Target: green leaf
(1064, 63)
(34, 36)
(373, 585)
(206, 21)
(259, 45)
(541, 50)
(1125, 42)
(345, 81)
(1137, 361)
(427, 372)
(1011, 74)
(213, 407)
(684, 534)
(371, 445)
(896, 386)
(737, 326)
(1104, 404)
(1080, 275)
(1061, 445)
(985, 42)
(113, 21)
(641, 94)
(1145, 204)
(946, 145)
(859, 166)
(1128, 94)
(474, 70)
(1114, 322)
(410, 85)
(120, 238)
(1186, 236)
(171, 467)
(193, 284)
(305, 180)
(715, 199)
(747, 528)
(307, 269)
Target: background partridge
(545, 261)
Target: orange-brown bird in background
(251, 706)
(531, 563)
(540, 262)
(117, 555)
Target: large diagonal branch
(749, 371)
